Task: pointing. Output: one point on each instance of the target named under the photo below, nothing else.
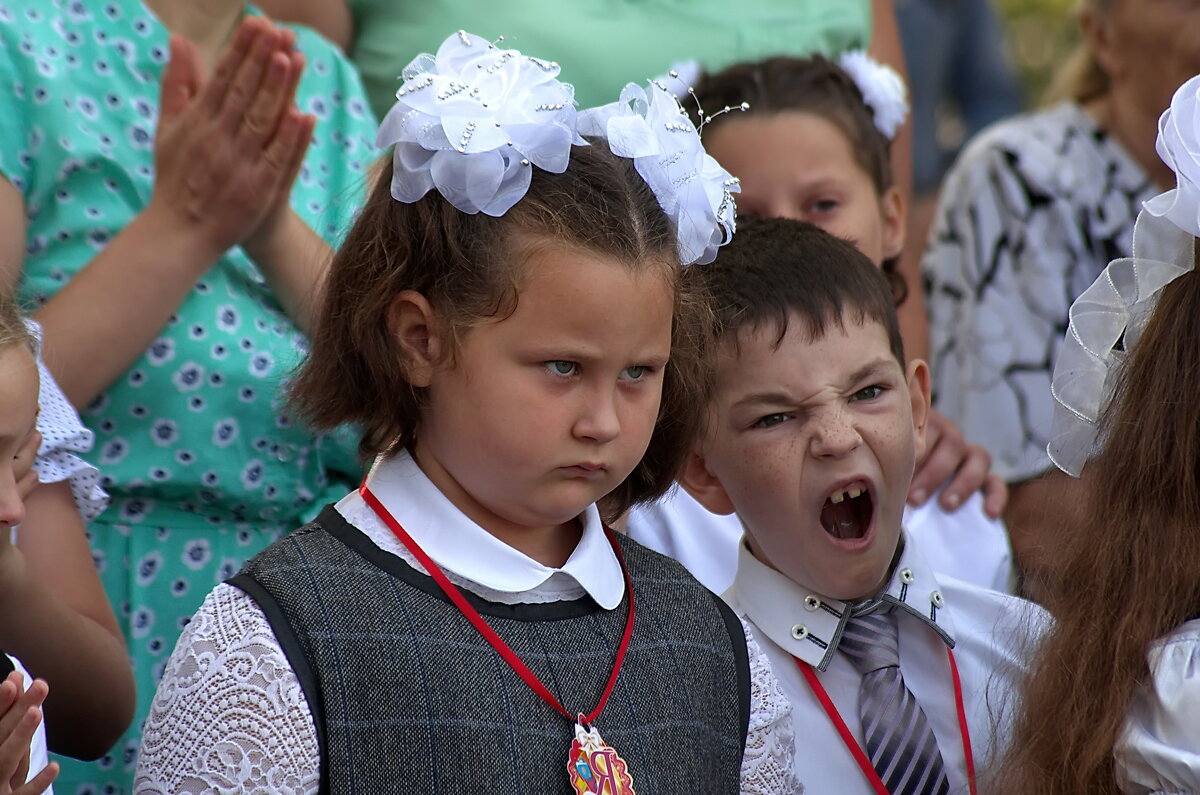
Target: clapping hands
(228, 147)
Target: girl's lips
(586, 470)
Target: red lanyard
(856, 750)
(472, 615)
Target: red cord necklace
(592, 765)
(856, 750)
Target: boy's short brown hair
(776, 271)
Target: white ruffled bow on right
(1108, 317)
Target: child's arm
(59, 623)
(225, 152)
(19, 719)
(202, 694)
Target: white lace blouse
(230, 715)
(1159, 750)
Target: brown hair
(1128, 573)
(467, 267)
(779, 269)
(811, 85)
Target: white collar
(809, 626)
(460, 546)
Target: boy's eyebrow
(776, 397)
(769, 398)
(869, 369)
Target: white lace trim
(230, 714)
(768, 766)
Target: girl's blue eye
(770, 421)
(635, 373)
(561, 367)
(868, 393)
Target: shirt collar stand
(809, 626)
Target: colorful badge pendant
(594, 768)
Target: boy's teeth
(838, 496)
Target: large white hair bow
(472, 120)
(1108, 317)
(649, 125)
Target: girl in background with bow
(1111, 705)
(506, 323)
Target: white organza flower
(882, 88)
(1178, 145)
(649, 126)
(1107, 319)
(471, 122)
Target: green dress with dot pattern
(203, 466)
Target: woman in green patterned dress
(169, 248)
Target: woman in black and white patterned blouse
(1029, 216)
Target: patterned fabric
(203, 468)
(467, 723)
(1028, 218)
(899, 741)
(63, 436)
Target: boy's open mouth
(847, 512)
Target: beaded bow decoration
(472, 120)
(651, 127)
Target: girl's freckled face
(795, 164)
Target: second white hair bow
(649, 125)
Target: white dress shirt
(966, 544)
(991, 633)
(229, 711)
(1159, 749)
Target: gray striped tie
(898, 740)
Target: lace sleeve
(768, 766)
(229, 714)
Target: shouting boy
(899, 678)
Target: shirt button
(799, 632)
(811, 603)
(906, 576)
(936, 598)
